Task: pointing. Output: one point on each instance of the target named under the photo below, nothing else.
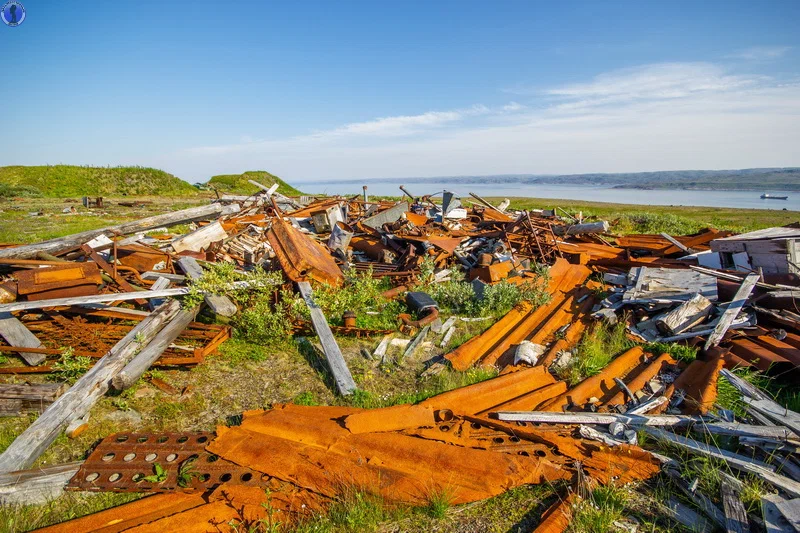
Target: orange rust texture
(572, 336)
(599, 385)
(699, 381)
(126, 516)
(520, 322)
(557, 518)
(301, 257)
(532, 400)
(641, 378)
(307, 447)
(417, 220)
(465, 400)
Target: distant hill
(238, 184)
(754, 179)
(65, 180)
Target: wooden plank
(16, 334)
(416, 342)
(37, 486)
(701, 500)
(730, 313)
(200, 238)
(736, 461)
(686, 516)
(161, 283)
(336, 363)
(149, 354)
(80, 398)
(219, 304)
(774, 520)
(29, 251)
(23, 398)
(735, 513)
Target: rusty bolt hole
(171, 457)
(444, 428)
(212, 458)
(205, 477)
(514, 439)
(246, 477)
(183, 439)
(122, 438)
(475, 425)
(162, 439)
(540, 453)
(202, 439)
(141, 439)
(137, 477)
(225, 477)
(129, 457)
(108, 457)
(499, 440)
(113, 478)
(93, 476)
(150, 457)
(526, 454)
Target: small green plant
(305, 398)
(220, 278)
(187, 472)
(438, 503)
(159, 475)
(121, 404)
(70, 367)
(595, 351)
(679, 352)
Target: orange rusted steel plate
(599, 385)
(699, 382)
(492, 392)
(72, 279)
(638, 381)
(313, 207)
(142, 258)
(492, 273)
(305, 446)
(780, 348)
(129, 515)
(532, 400)
(417, 220)
(558, 517)
(301, 257)
(390, 419)
(573, 334)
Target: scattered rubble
(109, 294)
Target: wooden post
(16, 334)
(80, 398)
(29, 251)
(141, 362)
(729, 315)
(336, 363)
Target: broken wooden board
(200, 239)
(23, 398)
(668, 284)
(336, 363)
(16, 334)
(730, 313)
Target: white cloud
(654, 117)
(761, 53)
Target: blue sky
(311, 90)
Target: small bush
(362, 294)
(70, 367)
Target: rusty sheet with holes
(308, 447)
(126, 462)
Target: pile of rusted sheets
(108, 295)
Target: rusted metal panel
(302, 258)
(71, 279)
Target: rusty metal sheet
(307, 446)
(558, 517)
(300, 257)
(122, 461)
(71, 279)
(142, 258)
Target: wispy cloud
(761, 53)
(651, 117)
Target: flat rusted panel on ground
(301, 257)
(43, 280)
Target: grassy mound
(60, 181)
(238, 184)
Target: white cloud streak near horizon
(666, 116)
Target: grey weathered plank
(735, 513)
(729, 315)
(80, 398)
(336, 363)
(161, 283)
(701, 500)
(21, 398)
(416, 342)
(36, 486)
(16, 334)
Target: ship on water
(767, 196)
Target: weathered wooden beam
(729, 315)
(735, 513)
(416, 342)
(736, 461)
(780, 515)
(686, 516)
(547, 417)
(29, 251)
(36, 486)
(80, 398)
(689, 314)
(701, 500)
(676, 243)
(580, 229)
(150, 353)
(336, 363)
(16, 334)
(218, 303)
(22, 398)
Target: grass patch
(595, 351)
(598, 513)
(70, 367)
(70, 505)
(679, 352)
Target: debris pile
(107, 295)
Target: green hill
(238, 184)
(65, 180)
